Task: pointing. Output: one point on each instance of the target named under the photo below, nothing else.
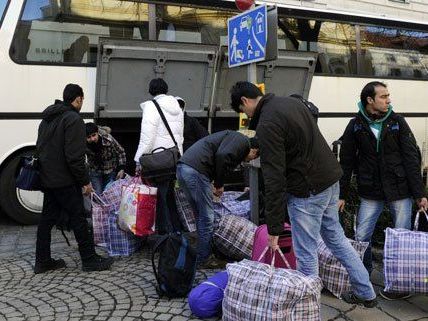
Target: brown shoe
(212, 263)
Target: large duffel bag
(258, 291)
(185, 212)
(233, 237)
(405, 260)
(332, 272)
(206, 299)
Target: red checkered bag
(146, 211)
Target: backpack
(176, 267)
(314, 110)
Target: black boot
(96, 263)
(42, 267)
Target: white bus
(45, 44)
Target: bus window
(335, 42)
(67, 32)
(196, 25)
(388, 52)
(3, 4)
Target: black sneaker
(97, 263)
(351, 298)
(391, 296)
(42, 267)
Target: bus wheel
(25, 207)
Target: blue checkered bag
(228, 205)
(406, 260)
(121, 243)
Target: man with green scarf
(379, 146)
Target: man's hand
(120, 174)
(218, 191)
(273, 242)
(422, 203)
(87, 189)
(341, 205)
(137, 169)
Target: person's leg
(335, 239)
(401, 212)
(368, 215)
(44, 261)
(305, 217)
(97, 182)
(163, 224)
(172, 207)
(198, 190)
(107, 179)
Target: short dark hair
(158, 86)
(369, 90)
(243, 89)
(91, 128)
(71, 92)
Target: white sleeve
(149, 125)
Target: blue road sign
(247, 36)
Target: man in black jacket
(193, 130)
(298, 165)
(380, 147)
(210, 159)
(61, 146)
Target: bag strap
(164, 121)
(154, 251)
(416, 226)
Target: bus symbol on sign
(247, 37)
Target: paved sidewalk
(127, 292)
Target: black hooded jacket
(216, 154)
(61, 146)
(294, 156)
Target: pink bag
(285, 244)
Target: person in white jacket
(153, 135)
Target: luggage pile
(123, 213)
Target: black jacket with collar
(216, 154)
(390, 174)
(61, 146)
(294, 156)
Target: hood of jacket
(373, 121)
(169, 104)
(58, 108)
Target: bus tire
(22, 206)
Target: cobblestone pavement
(127, 292)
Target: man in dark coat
(210, 159)
(61, 146)
(298, 165)
(380, 147)
(193, 130)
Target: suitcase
(285, 243)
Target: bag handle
(416, 226)
(287, 264)
(164, 121)
(95, 196)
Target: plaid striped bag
(113, 192)
(185, 211)
(332, 272)
(121, 243)
(257, 291)
(234, 236)
(405, 260)
(100, 215)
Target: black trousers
(63, 205)
(167, 220)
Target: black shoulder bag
(161, 163)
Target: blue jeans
(198, 191)
(368, 215)
(317, 216)
(100, 181)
